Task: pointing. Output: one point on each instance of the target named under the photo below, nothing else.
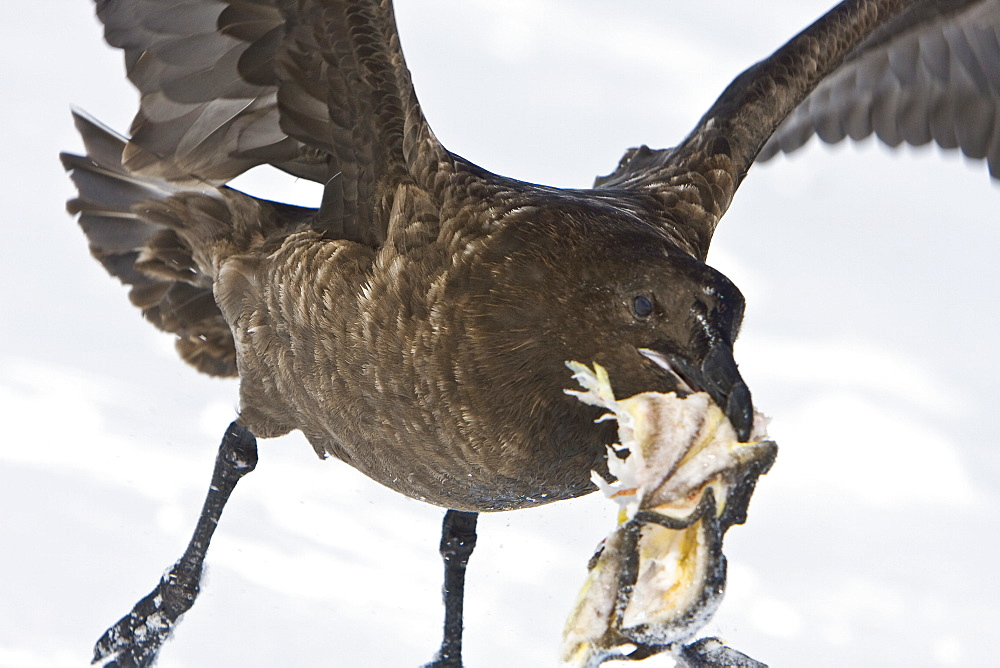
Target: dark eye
(642, 306)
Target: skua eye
(642, 306)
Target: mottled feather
(417, 322)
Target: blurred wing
(205, 71)
(691, 186)
(932, 76)
(316, 88)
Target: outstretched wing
(205, 72)
(693, 184)
(933, 77)
(316, 88)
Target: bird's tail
(135, 226)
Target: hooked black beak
(718, 376)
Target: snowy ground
(871, 337)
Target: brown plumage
(438, 368)
(415, 325)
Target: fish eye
(642, 306)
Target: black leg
(458, 539)
(135, 640)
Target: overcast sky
(870, 338)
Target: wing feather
(907, 72)
(715, 157)
(317, 88)
(934, 77)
